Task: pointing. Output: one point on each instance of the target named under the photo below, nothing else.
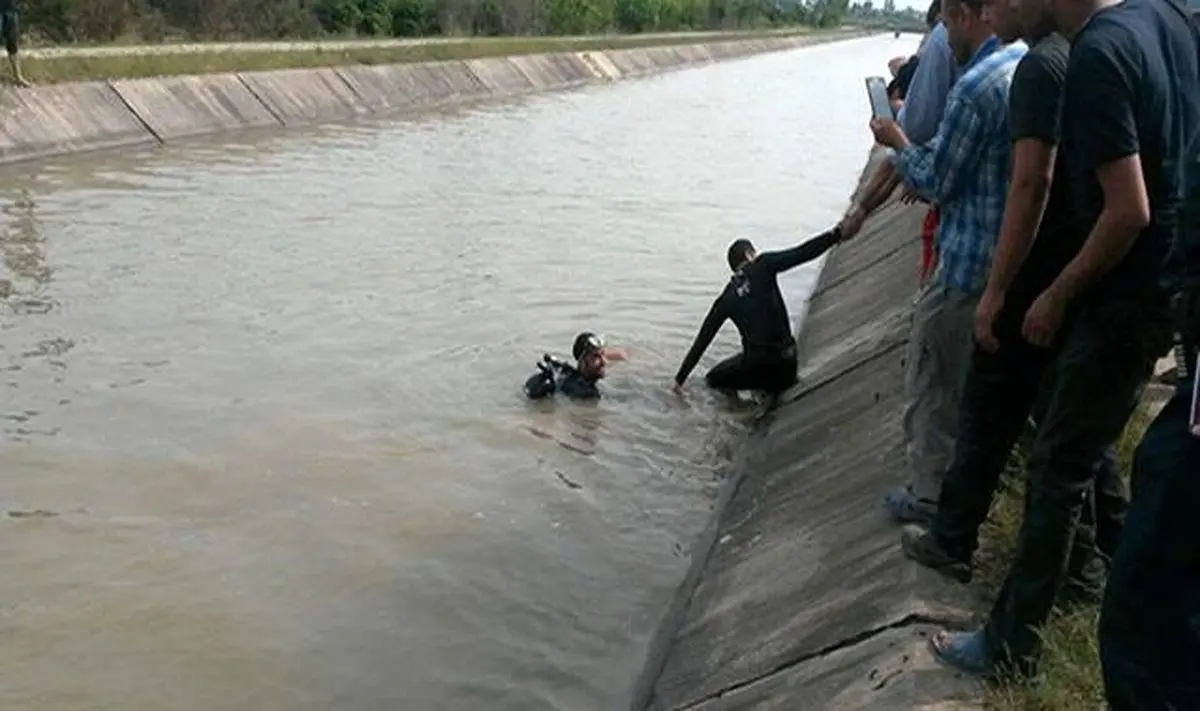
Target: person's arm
(708, 330)
(938, 170)
(1099, 107)
(925, 100)
(879, 188)
(786, 259)
(1034, 111)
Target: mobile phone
(1194, 420)
(881, 107)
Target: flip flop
(904, 506)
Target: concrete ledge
(449, 81)
(501, 76)
(804, 600)
(178, 107)
(68, 118)
(304, 96)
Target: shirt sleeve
(786, 259)
(931, 83)
(708, 330)
(1098, 106)
(1035, 101)
(938, 169)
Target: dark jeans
(10, 31)
(1001, 393)
(1150, 619)
(1106, 356)
(742, 372)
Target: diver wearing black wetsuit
(578, 382)
(752, 301)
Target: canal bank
(799, 596)
(47, 121)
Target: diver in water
(575, 381)
(752, 301)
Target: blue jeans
(1150, 618)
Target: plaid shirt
(964, 169)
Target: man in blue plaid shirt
(964, 169)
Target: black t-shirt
(1132, 87)
(1035, 111)
(7, 6)
(1183, 264)
(752, 301)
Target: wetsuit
(753, 302)
(563, 379)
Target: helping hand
(852, 222)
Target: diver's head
(589, 355)
(741, 253)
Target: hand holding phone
(881, 106)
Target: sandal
(904, 506)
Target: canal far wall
(46, 121)
(799, 597)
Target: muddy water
(263, 445)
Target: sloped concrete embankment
(799, 597)
(67, 118)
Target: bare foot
(22, 82)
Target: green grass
(49, 70)
(1070, 659)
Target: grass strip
(56, 69)
(1070, 658)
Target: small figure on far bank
(751, 299)
(10, 29)
(577, 381)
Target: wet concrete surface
(805, 600)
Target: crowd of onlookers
(1056, 144)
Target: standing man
(10, 28)
(1130, 100)
(964, 169)
(1149, 637)
(1039, 236)
(924, 103)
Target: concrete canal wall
(799, 597)
(46, 121)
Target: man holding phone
(965, 170)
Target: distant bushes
(107, 20)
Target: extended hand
(1044, 319)
(985, 318)
(852, 222)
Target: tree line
(64, 21)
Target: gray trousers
(939, 354)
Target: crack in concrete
(851, 641)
